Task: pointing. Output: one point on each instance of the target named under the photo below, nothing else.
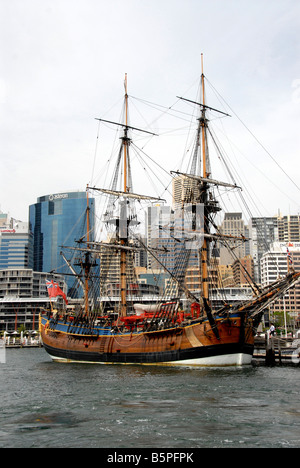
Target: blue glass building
(58, 220)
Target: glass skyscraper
(58, 220)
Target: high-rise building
(184, 190)
(233, 225)
(58, 220)
(289, 228)
(16, 246)
(262, 232)
(243, 271)
(274, 264)
(160, 237)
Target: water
(45, 404)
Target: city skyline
(278, 213)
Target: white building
(23, 293)
(262, 232)
(274, 265)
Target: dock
(276, 351)
(22, 342)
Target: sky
(63, 63)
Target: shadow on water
(41, 421)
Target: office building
(185, 190)
(274, 265)
(289, 228)
(23, 293)
(58, 220)
(233, 225)
(16, 246)
(243, 271)
(262, 232)
(160, 237)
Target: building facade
(16, 247)
(243, 271)
(184, 190)
(23, 293)
(289, 228)
(274, 265)
(262, 232)
(233, 225)
(58, 220)
(160, 237)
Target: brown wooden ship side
(189, 343)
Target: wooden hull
(192, 345)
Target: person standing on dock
(272, 330)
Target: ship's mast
(87, 262)
(204, 250)
(123, 254)
(122, 221)
(204, 180)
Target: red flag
(54, 290)
(289, 256)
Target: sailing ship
(170, 331)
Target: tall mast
(125, 138)
(204, 251)
(87, 262)
(209, 203)
(123, 254)
(122, 222)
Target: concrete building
(243, 271)
(160, 237)
(184, 190)
(23, 293)
(262, 232)
(289, 228)
(16, 246)
(233, 225)
(274, 264)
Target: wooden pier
(276, 351)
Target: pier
(276, 351)
(16, 340)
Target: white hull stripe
(238, 359)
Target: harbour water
(45, 404)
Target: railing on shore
(22, 342)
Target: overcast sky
(62, 63)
